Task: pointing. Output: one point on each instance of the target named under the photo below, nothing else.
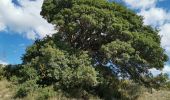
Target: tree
(97, 47)
(111, 33)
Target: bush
(1, 72)
(14, 79)
(80, 77)
(26, 88)
(130, 90)
(28, 73)
(45, 93)
(11, 70)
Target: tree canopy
(98, 43)
(110, 33)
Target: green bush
(80, 77)
(27, 72)
(45, 93)
(11, 70)
(1, 72)
(25, 88)
(14, 79)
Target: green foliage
(11, 70)
(80, 78)
(44, 93)
(160, 81)
(70, 72)
(14, 79)
(1, 71)
(108, 31)
(130, 90)
(28, 73)
(26, 88)
(98, 47)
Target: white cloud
(167, 48)
(2, 26)
(154, 16)
(25, 20)
(165, 70)
(140, 4)
(165, 33)
(3, 62)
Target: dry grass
(156, 95)
(5, 92)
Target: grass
(5, 92)
(156, 95)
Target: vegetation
(102, 50)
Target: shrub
(28, 73)
(25, 88)
(45, 93)
(1, 72)
(11, 70)
(14, 79)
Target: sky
(21, 23)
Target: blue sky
(21, 23)
(12, 47)
(164, 4)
